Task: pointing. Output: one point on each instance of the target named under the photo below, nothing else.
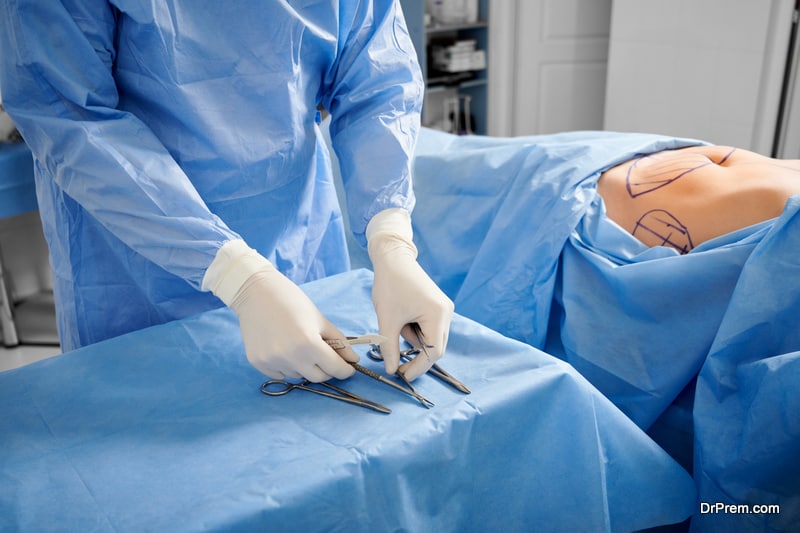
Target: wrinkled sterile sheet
(515, 232)
(165, 429)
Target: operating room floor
(18, 356)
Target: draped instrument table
(165, 429)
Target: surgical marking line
(655, 184)
(657, 220)
(727, 156)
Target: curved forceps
(279, 387)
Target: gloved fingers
(284, 332)
(274, 369)
(328, 362)
(272, 374)
(422, 362)
(416, 367)
(390, 350)
(334, 367)
(434, 334)
(410, 336)
(290, 374)
(313, 360)
(315, 374)
(331, 332)
(431, 343)
(347, 353)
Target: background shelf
(442, 88)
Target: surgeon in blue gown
(179, 165)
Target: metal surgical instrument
(372, 338)
(279, 387)
(450, 380)
(375, 339)
(436, 371)
(410, 390)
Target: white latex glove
(403, 293)
(283, 331)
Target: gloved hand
(283, 331)
(403, 293)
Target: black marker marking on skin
(667, 228)
(784, 167)
(727, 156)
(657, 178)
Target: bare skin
(682, 198)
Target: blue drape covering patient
(514, 230)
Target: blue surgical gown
(162, 130)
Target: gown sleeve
(58, 86)
(374, 93)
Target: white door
(549, 65)
(707, 69)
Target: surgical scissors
(436, 371)
(279, 387)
